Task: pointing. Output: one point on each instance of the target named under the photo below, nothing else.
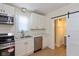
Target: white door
(73, 35)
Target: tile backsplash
(31, 33)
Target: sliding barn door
(73, 35)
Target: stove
(7, 42)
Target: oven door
(8, 51)
(6, 39)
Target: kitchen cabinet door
(30, 45)
(20, 47)
(9, 10)
(37, 21)
(1, 8)
(24, 46)
(45, 41)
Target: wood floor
(60, 51)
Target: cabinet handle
(68, 35)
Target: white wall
(49, 32)
(50, 23)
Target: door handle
(68, 35)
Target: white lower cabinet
(45, 42)
(24, 46)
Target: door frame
(55, 24)
(55, 32)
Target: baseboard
(37, 50)
(29, 53)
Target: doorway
(60, 32)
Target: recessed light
(24, 9)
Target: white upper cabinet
(1, 8)
(37, 21)
(6, 9)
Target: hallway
(60, 51)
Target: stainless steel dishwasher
(37, 43)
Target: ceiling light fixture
(24, 9)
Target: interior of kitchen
(20, 31)
(26, 30)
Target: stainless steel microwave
(6, 19)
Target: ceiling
(42, 8)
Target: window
(22, 23)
